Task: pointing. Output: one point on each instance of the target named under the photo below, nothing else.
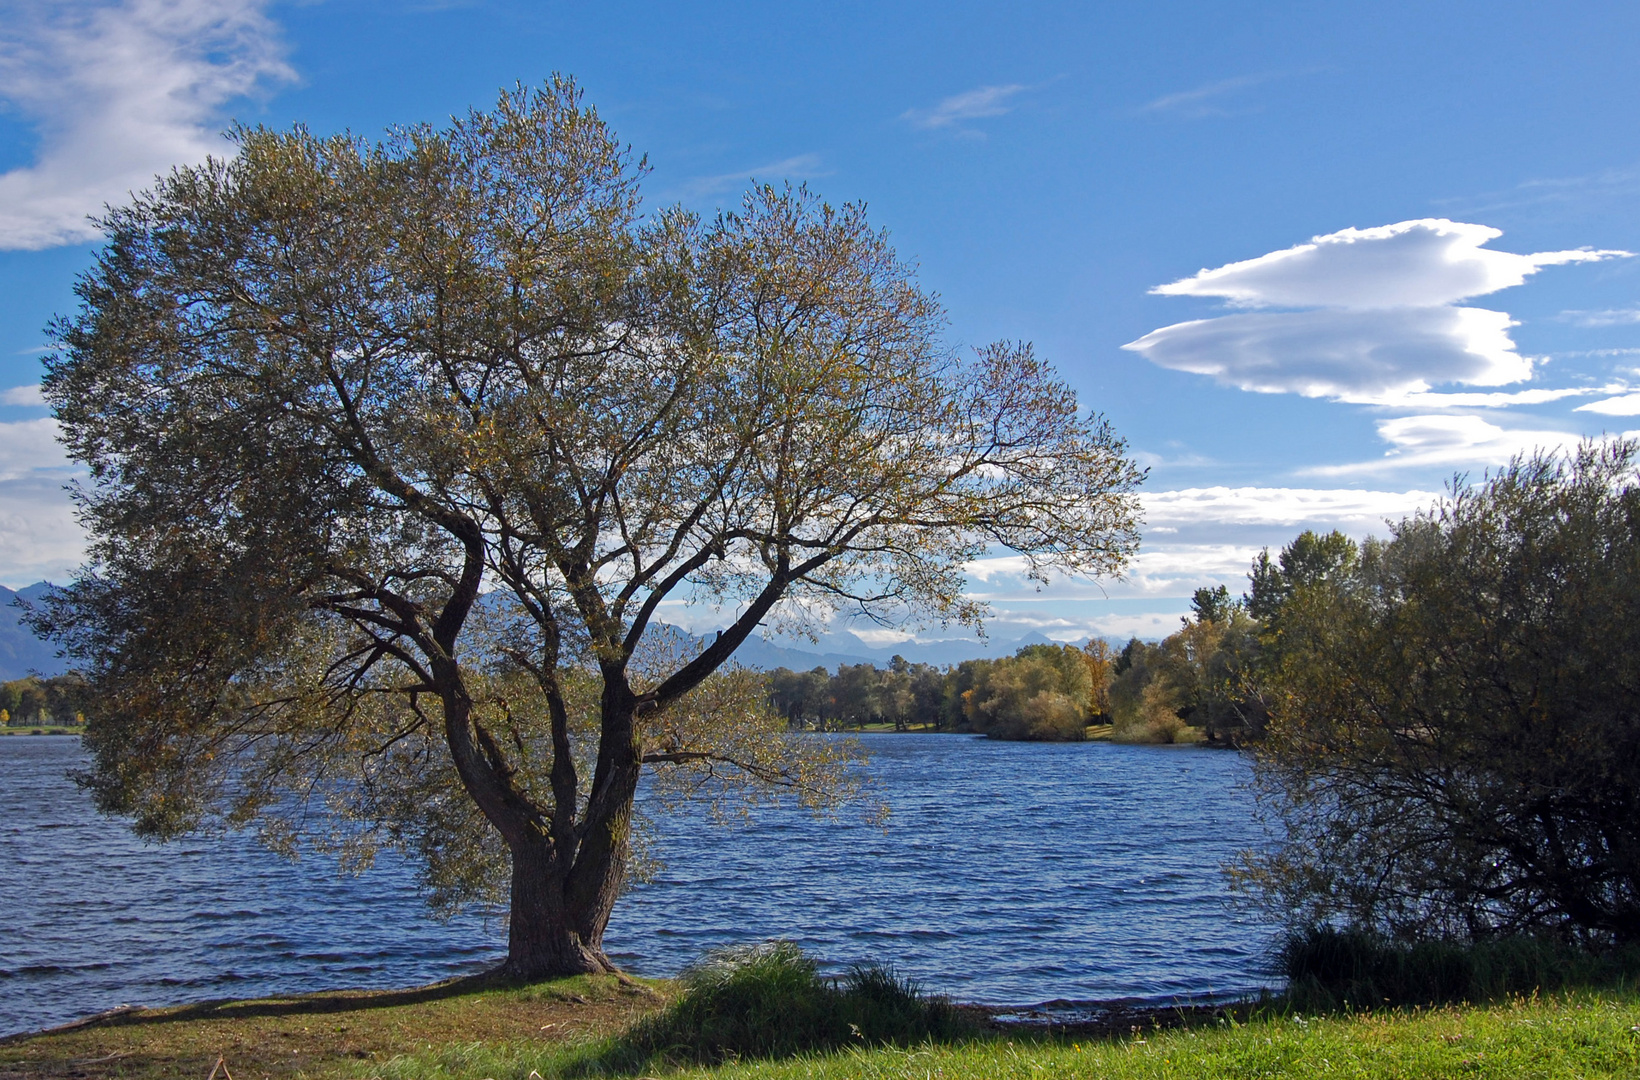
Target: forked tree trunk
(546, 936)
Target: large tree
(1453, 745)
(399, 451)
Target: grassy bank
(44, 729)
(344, 1034)
(570, 1028)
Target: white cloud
(799, 167)
(970, 105)
(1610, 317)
(119, 93)
(1179, 569)
(1495, 400)
(1350, 509)
(1364, 356)
(27, 446)
(1203, 100)
(23, 395)
(1134, 624)
(39, 538)
(1383, 324)
(1451, 440)
(1424, 263)
(1626, 405)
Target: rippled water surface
(1010, 872)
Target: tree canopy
(400, 450)
(1453, 744)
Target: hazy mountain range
(844, 647)
(22, 653)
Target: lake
(1008, 873)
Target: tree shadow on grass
(318, 1003)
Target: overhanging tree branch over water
(397, 452)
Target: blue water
(1009, 872)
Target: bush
(1328, 969)
(769, 1000)
(1453, 742)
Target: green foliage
(903, 694)
(1213, 605)
(768, 1001)
(1196, 683)
(1308, 561)
(1042, 694)
(1453, 748)
(1329, 969)
(55, 701)
(396, 449)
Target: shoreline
(1057, 1015)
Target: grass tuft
(769, 1001)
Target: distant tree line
(1444, 725)
(1193, 686)
(37, 702)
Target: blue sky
(1086, 177)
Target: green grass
(765, 1012)
(1586, 1036)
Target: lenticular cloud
(1348, 355)
(1384, 321)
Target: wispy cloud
(1571, 193)
(1205, 100)
(117, 94)
(1357, 356)
(1609, 317)
(1349, 509)
(1457, 441)
(1624, 405)
(976, 104)
(1500, 400)
(800, 167)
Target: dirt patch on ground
(286, 1037)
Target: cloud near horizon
(39, 538)
(1451, 440)
(1383, 320)
(119, 93)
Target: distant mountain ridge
(21, 653)
(845, 647)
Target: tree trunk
(545, 938)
